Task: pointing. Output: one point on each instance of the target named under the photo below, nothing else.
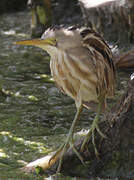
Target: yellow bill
(37, 42)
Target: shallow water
(34, 114)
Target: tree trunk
(112, 18)
(41, 16)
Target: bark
(112, 18)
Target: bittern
(82, 67)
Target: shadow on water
(34, 115)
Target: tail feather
(125, 61)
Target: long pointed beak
(37, 42)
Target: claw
(77, 153)
(65, 147)
(56, 154)
(91, 134)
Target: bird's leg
(69, 141)
(91, 133)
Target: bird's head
(53, 39)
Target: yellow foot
(69, 142)
(62, 150)
(91, 134)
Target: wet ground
(34, 114)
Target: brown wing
(102, 61)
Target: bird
(82, 67)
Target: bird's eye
(55, 40)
